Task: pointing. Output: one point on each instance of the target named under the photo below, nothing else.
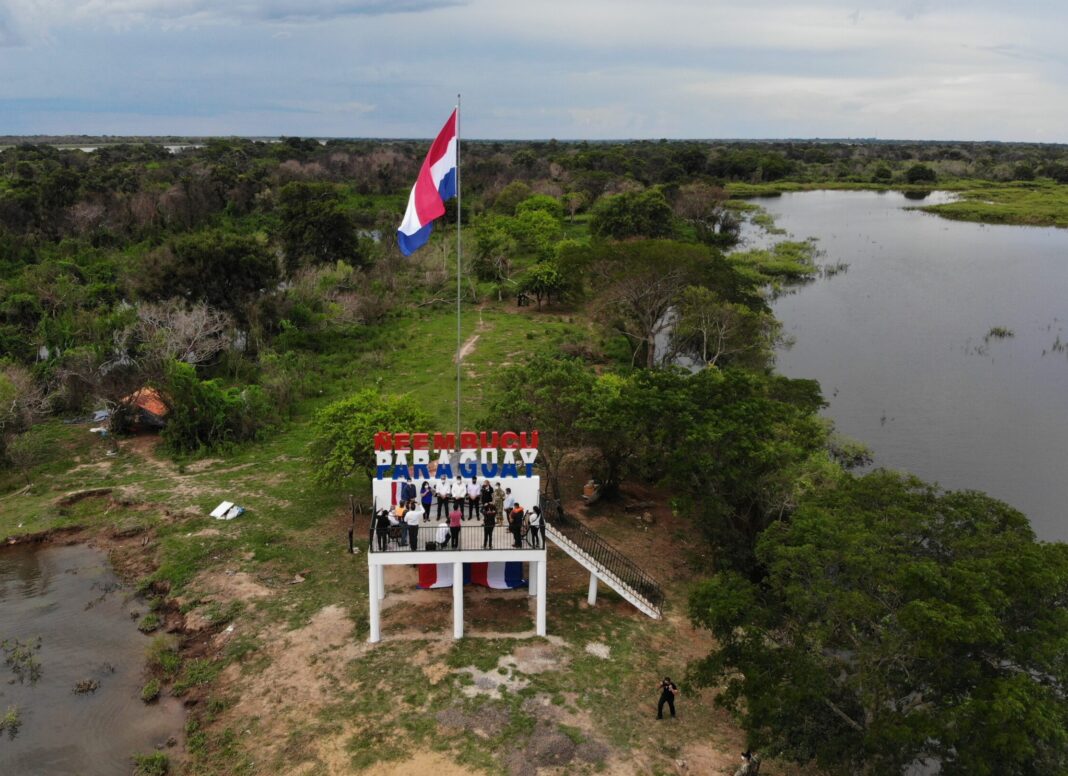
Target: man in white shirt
(443, 491)
(413, 517)
(509, 500)
(474, 492)
(459, 493)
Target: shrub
(204, 415)
(150, 691)
(344, 432)
(155, 764)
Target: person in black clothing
(668, 691)
(489, 522)
(515, 523)
(382, 529)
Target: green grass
(1023, 203)
(1031, 204)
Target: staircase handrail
(610, 559)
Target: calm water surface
(897, 343)
(70, 599)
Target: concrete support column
(532, 578)
(542, 590)
(374, 604)
(457, 600)
(591, 597)
(381, 582)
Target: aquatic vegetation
(19, 656)
(999, 332)
(10, 722)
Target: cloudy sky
(956, 69)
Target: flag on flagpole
(435, 184)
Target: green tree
(344, 431)
(227, 271)
(543, 280)
(704, 208)
(546, 393)
(712, 331)
(635, 284)
(316, 227)
(632, 214)
(536, 232)
(882, 173)
(204, 416)
(920, 173)
(895, 624)
(543, 202)
(510, 196)
(494, 247)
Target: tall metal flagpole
(459, 336)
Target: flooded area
(68, 622)
(941, 344)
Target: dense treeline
(866, 621)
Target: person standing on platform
(407, 491)
(426, 495)
(413, 517)
(537, 526)
(382, 529)
(442, 491)
(498, 501)
(489, 524)
(485, 494)
(668, 691)
(515, 524)
(472, 499)
(455, 519)
(509, 502)
(458, 494)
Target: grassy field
(266, 614)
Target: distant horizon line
(69, 139)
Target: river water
(899, 343)
(69, 601)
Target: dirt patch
(305, 665)
(597, 649)
(489, 683)
(468, 347)
(70, 499)
(421, 763)
(538, 658)
(484, 722)
(226, 586)
(549, 747)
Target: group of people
(492, 503)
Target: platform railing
(432, 535)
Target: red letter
(468, 440)
(401, 441)
(421, 441)
(383, 441)
(444, 441)
(488, 440)
(509, 440)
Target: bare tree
(708, 328)
(172, 331)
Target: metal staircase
(602, 560)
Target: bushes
(204, 415)
(344, 432)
